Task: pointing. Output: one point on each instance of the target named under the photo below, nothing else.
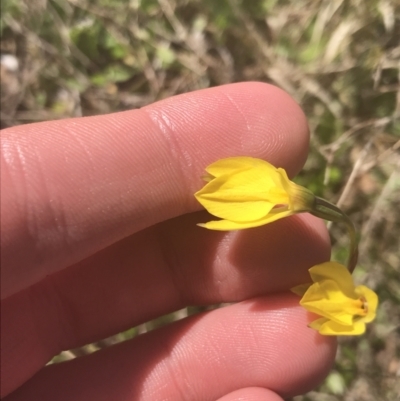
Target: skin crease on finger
(76, 186)
(263, 342)
(269, 125)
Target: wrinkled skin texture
(98, 234)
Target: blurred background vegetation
(340, 59)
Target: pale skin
(98, 234)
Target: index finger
(79, 185)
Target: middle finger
(157, 271)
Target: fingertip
(314, 357)
(244, 119)
(281, 131)
(251, 394)
(297, 358)
(263, 343)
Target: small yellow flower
(246, 192)
(345, 308)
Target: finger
(154, 272)
(76, 186)
(264, 342)
(251, 394)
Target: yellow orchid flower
(344, 307)
(247, 192)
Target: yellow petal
(207, 177)
(300, 199)
(300, 289)
(241, 196)
(283, 180)
(331, 328)
(316, 324)
(227, 225)
(231, 164)
(327, 327)
(239, 211)
(336, 272)
(326, 299)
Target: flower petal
(243, 185)
(238, 211)
(336, 272)
(227, 225)
(301, 289)
(232, 164)
(326, 299)
(242, 196)
(316, 324)
(331, 328)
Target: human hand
(98, 234)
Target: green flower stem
(330, 212)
